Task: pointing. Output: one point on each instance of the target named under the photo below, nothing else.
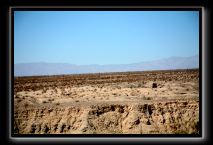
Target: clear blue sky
(104, 37)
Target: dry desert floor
(149, 102)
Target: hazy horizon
(172, 63)
(104, 37)
(102, 64)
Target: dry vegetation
(154, 102)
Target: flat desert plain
(148, 102)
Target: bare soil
(151, 102)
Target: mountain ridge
(45, 68)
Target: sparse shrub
(140, 85)
(44, 90)
(50, 99)
(55, 90)
(67, 93)
(44, 101)
(114, 94)
(154, 85)
(118, 87)
(147, 98)
(19, 100)
(132, 86)
(57, 103)
(26, 104)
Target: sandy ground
(116, 103)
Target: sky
(104, 37)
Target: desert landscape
(143, 102)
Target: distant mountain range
(41, 68)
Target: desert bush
(44, 90)
(55, 90)
(51, 99)
(140, 85)
(118, 87)
(132, 86)
(44, 101)
(114, 94)
(149, 98)
(26, 104)
(154, 85)
(19, 100)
